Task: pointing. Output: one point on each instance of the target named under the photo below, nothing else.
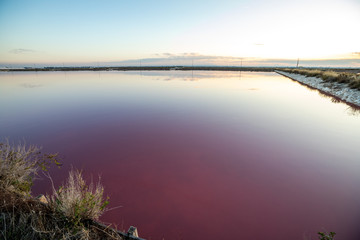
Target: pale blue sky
(56, 32)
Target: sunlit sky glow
(259, 32)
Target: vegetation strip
(70, 212)
(336, 88)
(331, 76)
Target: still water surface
(197, 155)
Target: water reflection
(195, 75)
(30, 85)
(220, 157)
(353, 111)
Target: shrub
(344, 78)
(20, 164)
(78, 201)
(326, 236)
(355, 84)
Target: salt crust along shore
(340, 90)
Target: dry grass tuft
(355, 83)
(24, 218)
(20, 164)
(78, 201)
(329, 76)
(70, 212)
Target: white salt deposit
(339, 90)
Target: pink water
(197, 155)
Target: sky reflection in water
(219, 155)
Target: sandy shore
(338, 90)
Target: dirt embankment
(339, 90)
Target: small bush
(326, 236)
(355, 84)
(78, 201)
(20, 164)
(344, 78)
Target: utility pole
(297, 64)
(140, 68)
(192, 69)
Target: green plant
(77, 201)
(20, 164)
(326, 236)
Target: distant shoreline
(144, 68)
(163, 68)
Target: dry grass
(25, 218)
(78, 201)
(70, 212)
(351, 79)
(20, 164)
(329, 76)
(355, 83)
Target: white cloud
(21, 51)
